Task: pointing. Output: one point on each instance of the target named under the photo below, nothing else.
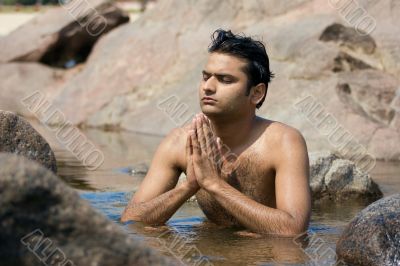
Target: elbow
(125, 218)
(130, 215)
(295, 225)
(290, 232)
(294, 229)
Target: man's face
(223, 87)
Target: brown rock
(369, 93)
(63, 35)
(384, 142)
(20, 80)
(349, 37)
(117, 91)
(345, 62)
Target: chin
(212, 111)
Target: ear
(257, 93)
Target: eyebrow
(219, 75)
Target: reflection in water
(109, 188)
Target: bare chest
(251, 176)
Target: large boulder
(337, 179)
(20, 80)
(43, 221)
(62, 36)
(162, 61)
(19, 137)
(369, 93)
(373, 236)
(317, 54)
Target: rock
(373, 236)
(383, 143)
(62, 36)
(167, 63)
(19, 80)
(136, 85)
(42, 220)
(349, 37)
(19, 137)
(337, 179)
(369, 93)
(345, 62)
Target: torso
(253, 175)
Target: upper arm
(164, 170)
(292, 177)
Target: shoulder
(174, 145)
(176, 138)
(284, 134)
(284, 140)
(279, 133)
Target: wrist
(193, 187)
(212, 185)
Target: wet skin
(245, 170)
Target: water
(188, 236)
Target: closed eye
(205, 77)
(226, 80)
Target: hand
(206, 152)
(190, 176)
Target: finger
(211, 140)
(220, 155)
(200, 135)
(189, 149)
(193, 125)
(209, 123)
(195, 144)
(210, 150)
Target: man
(244, 170)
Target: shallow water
(188, 237)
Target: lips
(208, 99)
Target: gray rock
(373, 236)
(338, 179)
(19, 137)
(42, 220)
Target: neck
(233, 131)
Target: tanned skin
(245, 170)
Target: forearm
(160, 209)
(251, 214)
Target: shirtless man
(245, 170)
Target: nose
(209, 86)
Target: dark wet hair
(253, 51)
